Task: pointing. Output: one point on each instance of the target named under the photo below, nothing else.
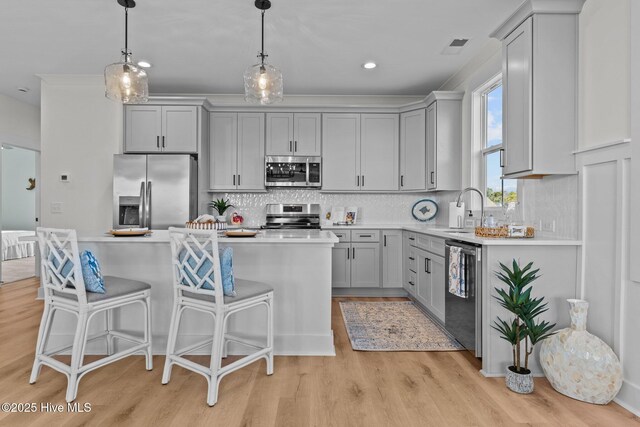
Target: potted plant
(524, 326)
(220, 206)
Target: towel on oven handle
(457, 284)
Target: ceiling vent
(455, 47)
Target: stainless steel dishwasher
(463, 314)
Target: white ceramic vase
(579, 364)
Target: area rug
(393, 326)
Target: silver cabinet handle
(363, 180)
(295, 146)
(502, 157)
(234, 179)
(158, 141)
(358, 181)
(307, 172)
(141, 207)
(238, 180)
(412, 238)
(411, 283)
(412, 258)
(348, 253)
(365, 235)
(401, 180)
(148, 206)
(427, 265)
(354, 253)
(163, 141)
(432, 177)
(385, 240)
(291, 146)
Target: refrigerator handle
(142, 208)
(148, 206)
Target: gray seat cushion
(115, 287)
(245, 289)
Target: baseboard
(498, 375)
(629, 397)
(369, 292)
(284, 345)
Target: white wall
(604, 72)
(18, 203)
(81, 131)
(19, 123)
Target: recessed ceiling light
(23, 89)
(144, 64)
(369, 65)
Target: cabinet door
(341, 152)
(306, 134)
(379, 145)
(436, 300)
(423, 287)
(432, 141)
(280, 134)
(392, 259)
(365, 265)
(250, 151)
(412, 150)
(143, 128)
(223, 150)
(341, 265)
(179, 129)
(517, 99)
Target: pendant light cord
(262, 55)
(126, 31)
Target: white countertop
(263, 236)
(447, 233)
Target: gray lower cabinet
(392, 259)
(365, 265)
(341, 265)
(425, 272)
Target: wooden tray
(240, 233)
(129, 233)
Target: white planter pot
(221, 218)
(520, 383)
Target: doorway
(19, 213)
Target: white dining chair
(64, 290)
(196, 267)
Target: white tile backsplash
(545, 203)
(373, 208)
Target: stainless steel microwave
(298, 171)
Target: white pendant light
(262, 82)
(125, 81)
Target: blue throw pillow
(226, 270)
(93, 280)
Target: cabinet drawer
(365, 235)
(344, 236)
(436, 245)
(411, 260)
(423, 241)
(412, 239)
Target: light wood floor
(351, 389)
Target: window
(499, 192)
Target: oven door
(292, 171)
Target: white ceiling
(203, 46)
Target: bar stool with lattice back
(198, 286)
(64, 290)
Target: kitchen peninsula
(296, 263)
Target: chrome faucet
(459, 202)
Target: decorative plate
(424, 210)
(240, 233)
(130, 232)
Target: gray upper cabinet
(444, 140)
(412, 150)
(539, 77)
(236, 152)
(160, 128)
(293, 134)
(360, 152)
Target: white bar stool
(196, 265)
(64, 290)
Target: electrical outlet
(57, 207)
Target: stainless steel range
(293, 216)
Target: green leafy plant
(220, 205)
(524, 326)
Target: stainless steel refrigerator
(157, 191)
